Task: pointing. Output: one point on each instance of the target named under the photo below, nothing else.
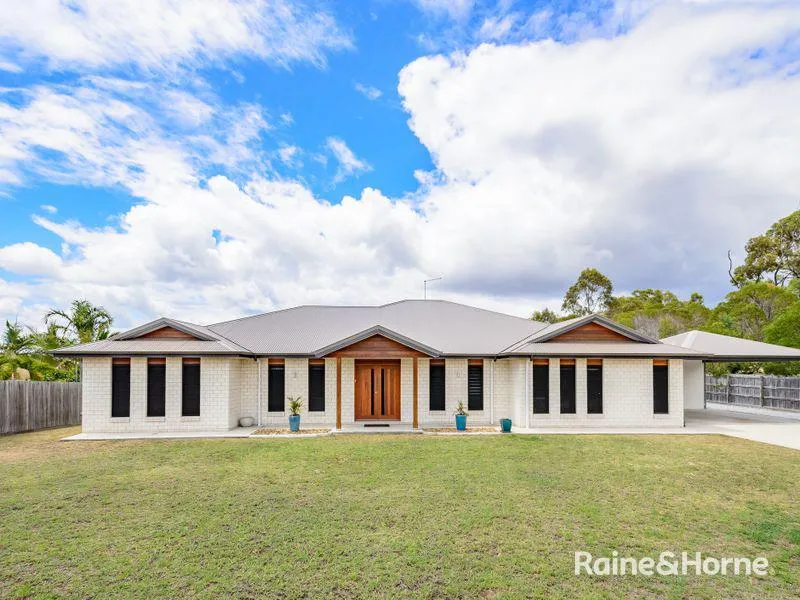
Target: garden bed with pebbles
(454, 430)
(287, 431)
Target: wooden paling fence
(31, 405)
(768, 391)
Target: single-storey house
(408, 363)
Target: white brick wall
(215, 392)
(229, 390)
(348, 391)
(627, 396)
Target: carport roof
(723, 348)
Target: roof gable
(559, 329)
(376, 342)
(166, 328)
(590, 332)
(168, 333)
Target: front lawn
(384, 515)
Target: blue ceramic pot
(505, 425)
(461, 422)
(294, 423)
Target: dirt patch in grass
(287, 431)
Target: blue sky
(275, 152)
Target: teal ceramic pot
(505, 425)
(461, 422)
(294, 423)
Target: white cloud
(647, 155)
(349, 163)
(369, 92)
(28, 258)
(107, 132)
(155, 35)
(289, 154)
(49, 208)
(455, 9)
(496, 27)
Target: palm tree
(16, 358)
(82, 324)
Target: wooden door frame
(371, 363)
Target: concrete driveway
(759, 428)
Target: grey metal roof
(446, 327)
(618, 349)
(151, 347)
(726, 348)
(435, 327)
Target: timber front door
(378, 390)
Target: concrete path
(774, 430)
(758, 428)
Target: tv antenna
(425, 286)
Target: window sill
(190, 419)
(120, 419)
(155, 419)
(595, 415)
(661, 416)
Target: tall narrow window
(437, 385)
(475, 385)
(121, 387)
(594, 387)
(316, 386)
(276, 384)
(541, 386)
(190, 388)
(156, 387)
(567, 373)
(660, 387)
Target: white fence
(767, 391)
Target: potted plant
(461, 417)
(505, 425)
(295, 404)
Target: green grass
(362, 516)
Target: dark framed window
(437, 381)
(475, 385)
(660, 387)
(156, 387)
(316, 386)
(121, 387)
(541, 386)
(190, 388)
(567, 386)
(276, 385)
(594, 387)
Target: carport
(720, 348)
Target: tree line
(25, 351)
(763, 305)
